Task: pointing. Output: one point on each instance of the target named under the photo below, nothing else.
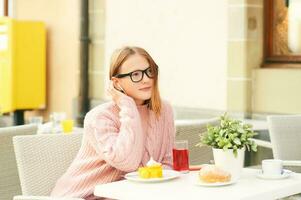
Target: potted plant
(229, 140)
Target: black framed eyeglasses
(137, 75)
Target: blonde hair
(121, 55)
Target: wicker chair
(285, 134)
(41, 160)
(9, 179)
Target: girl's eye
(135, 74)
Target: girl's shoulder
(167, 110)
(166, 106)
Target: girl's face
(137, 85)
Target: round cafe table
(248, 187)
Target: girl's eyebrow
(139, 69)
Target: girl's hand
(114, 93)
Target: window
(283, 31)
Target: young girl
(122, 135)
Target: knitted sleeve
(121, 147)
(168, 159)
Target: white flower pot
(228, 162)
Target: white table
(247, 188)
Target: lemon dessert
(153, 169)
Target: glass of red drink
(181, 156)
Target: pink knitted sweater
(117, 139)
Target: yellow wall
(62, 22)
(277, 91)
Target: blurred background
(238, 56)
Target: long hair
(121, 55)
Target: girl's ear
(115, 82)
(117, 85)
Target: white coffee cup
(272, 167)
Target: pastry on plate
(213, 174)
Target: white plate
(167, 175)
(286, 173)
(201, 183)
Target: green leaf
(229, 145)
(222, 132)
(254, 147)
(237, 141)
(220, 143)
(235, 152)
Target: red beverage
(180, 159)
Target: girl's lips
(145, 89)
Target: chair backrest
(285, 134)
(9, 179)
(42, 159)
(191, 130)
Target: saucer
(201, 183)
(285, 174)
